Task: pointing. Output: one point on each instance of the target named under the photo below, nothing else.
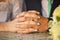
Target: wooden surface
(16, 36)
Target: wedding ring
(38, 13)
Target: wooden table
(16, 36)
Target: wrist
(11, 27)
(3, 26)
(7, 26)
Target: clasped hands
(29, 21)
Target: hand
(30, 21)
(44, 24)
(27, 27)
(22, 27)
(24, 22)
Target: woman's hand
(26, 22)
(30, 21)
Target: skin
(2, 0)
(23, 23)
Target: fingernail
(36, 30)
(38, 12)
(38, 23)
(38, 16)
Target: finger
(30, 30)
(31, 19)
(30, 14)
(28, 24)
(44, 24)
(34, 12)
(21, 19)
(21, 14)
(23, 25)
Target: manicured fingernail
(36, 30)
(38, 16)
(38, 12)
(38, 23)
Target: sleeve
(17, 7)
(3, 11)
